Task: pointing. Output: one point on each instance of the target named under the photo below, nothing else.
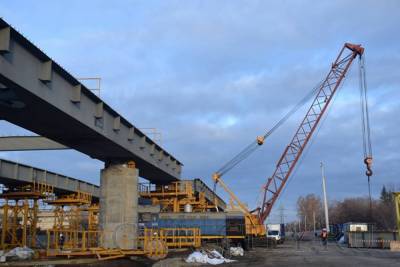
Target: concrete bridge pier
(119, 205)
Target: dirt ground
(311, 253)
(305, 253)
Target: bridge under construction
(122, 215)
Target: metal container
(235, 223)
(188, 208)
(210, 223)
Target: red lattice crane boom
(293, 151)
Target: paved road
(309, 253)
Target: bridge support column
(119, 206)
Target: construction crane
(323, 94)
(252, 222)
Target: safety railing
(77, 198)
(73, 240)
(43, 188)
(153, 243)
(182, 237)
(173, 189)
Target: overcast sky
(212, 75)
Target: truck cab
(276, 232)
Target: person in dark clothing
(62, 239)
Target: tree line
(380, 212)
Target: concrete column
(119, 206)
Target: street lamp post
(325, 198)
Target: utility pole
(305, 223)
(313, 214)
(325, 198)
(281, 214)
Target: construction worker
(324, 237)
(62, 239)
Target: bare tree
(358, 210)
(350, 210)
(306, 208)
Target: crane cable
(367, 146)
(366, 132)
(248, 150)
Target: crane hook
(368, 163)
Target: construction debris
(19, 253)
(211, 257)
(236, 251)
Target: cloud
(214, 75)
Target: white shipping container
(358, 227)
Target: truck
(276, 232)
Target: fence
(371, 239)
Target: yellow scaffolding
(179, 237)
(67, 210)
(173, 197)
(93, 216)
(182, 237)
(67, 215)
(20, 214)
(152, 244)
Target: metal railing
(182, 237)
(173, 189)
(153, 243)
(73, 240)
